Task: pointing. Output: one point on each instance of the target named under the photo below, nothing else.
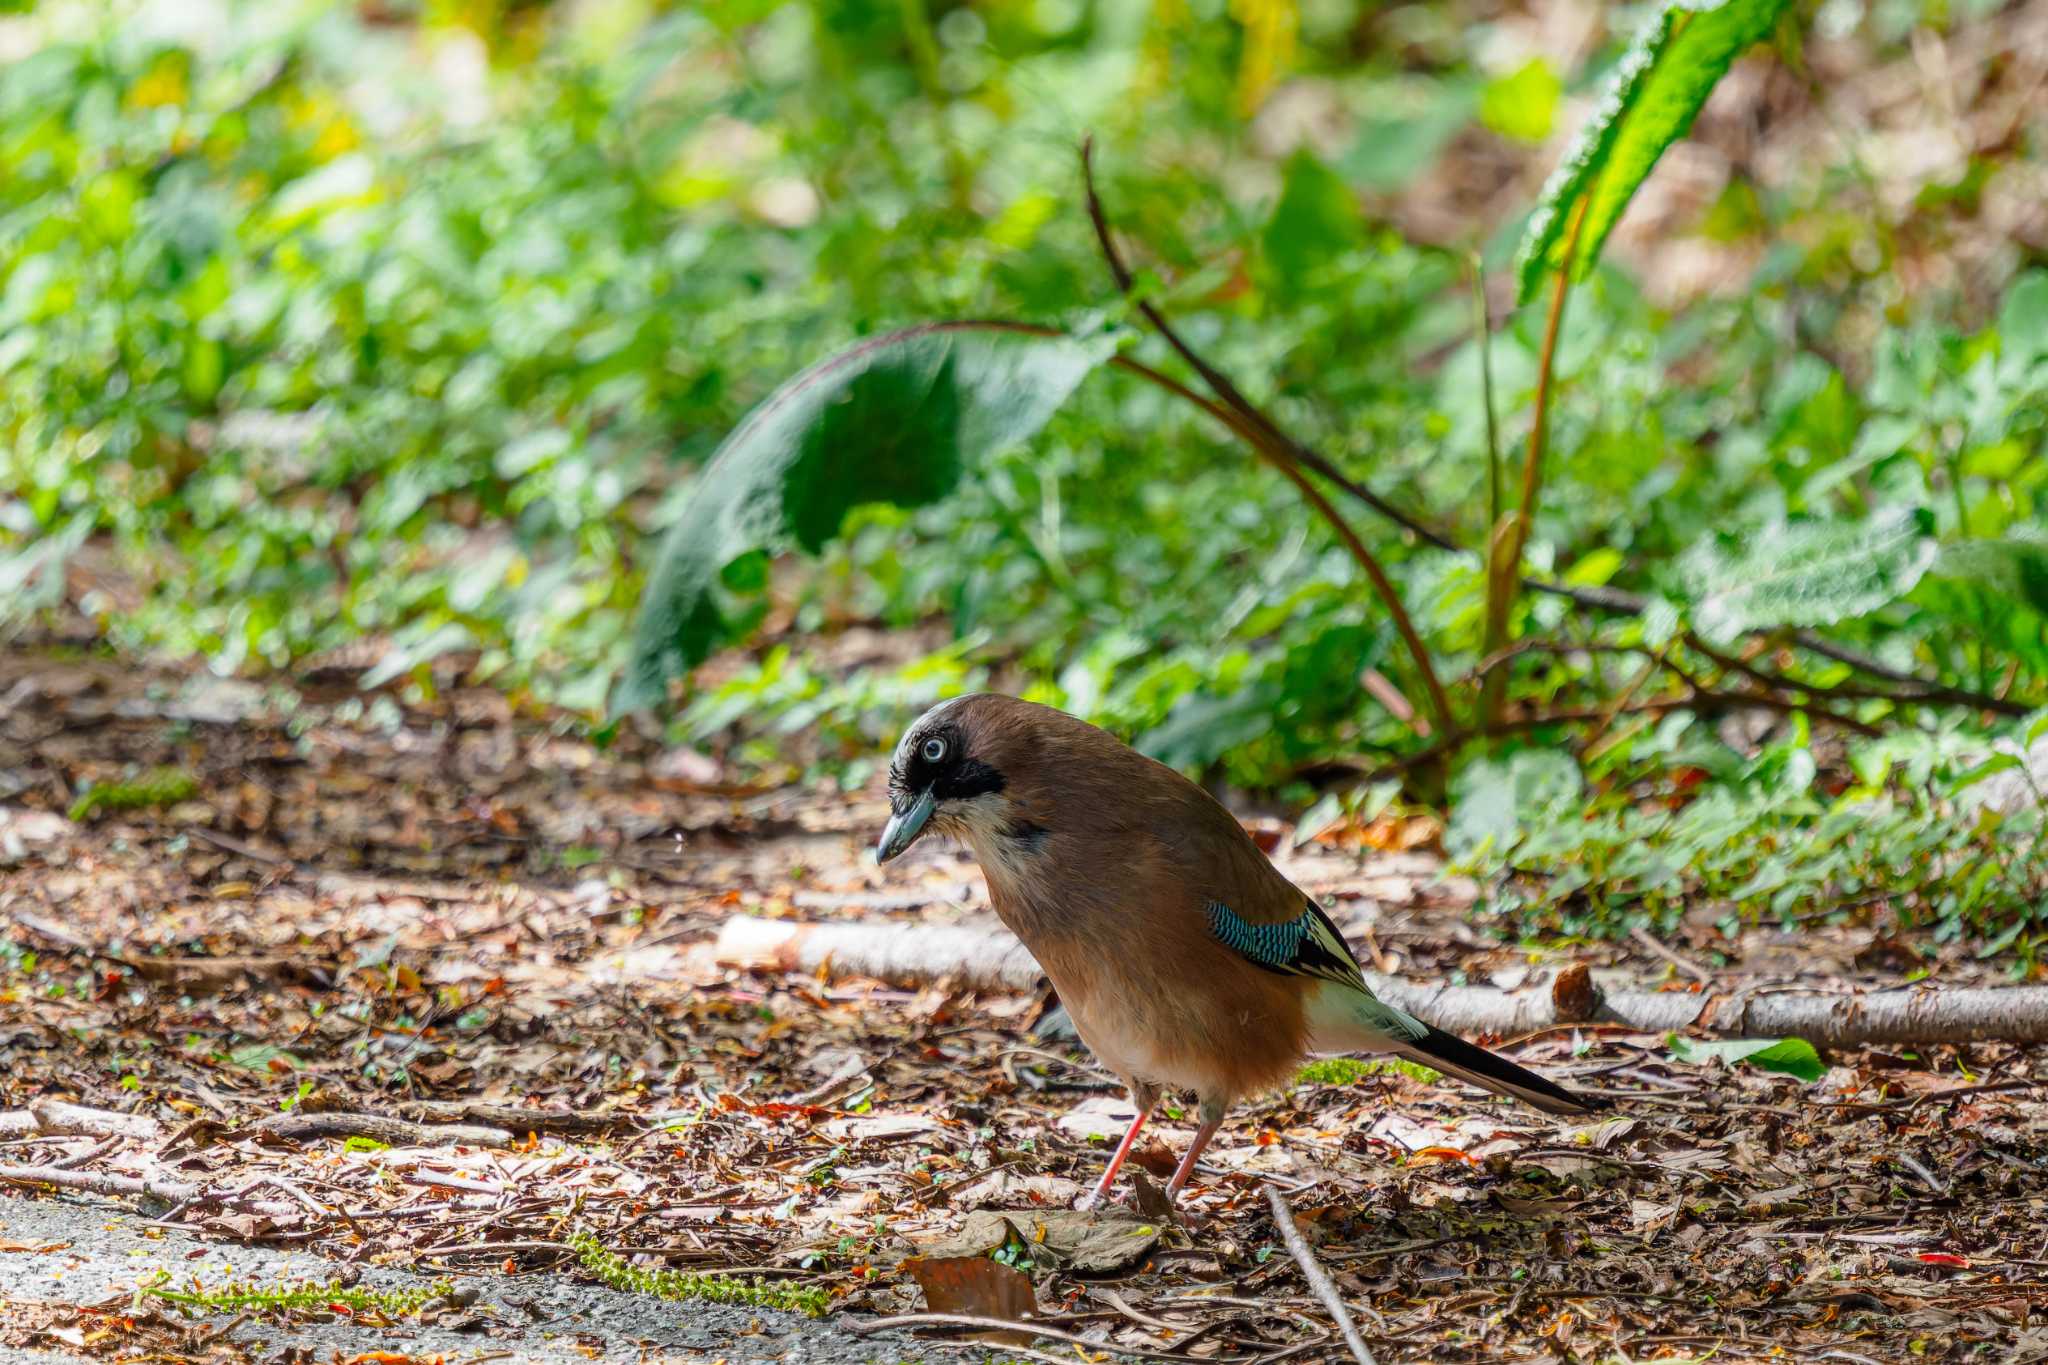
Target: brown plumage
(1184, 958)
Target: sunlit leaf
(1792, 1056)
(1522, 104)
(1811, 573)
(1650, 103)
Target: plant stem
(1606, 599)
(1483, 333)
(1504, 566)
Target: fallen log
(378, 1128)
(992, 959)
(55, 1118)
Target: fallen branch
(378, 1128)
(866, 1325)
(992, 959)
(102, 1182)
(1283, 1219)
(55, 1118)
(516, 1119)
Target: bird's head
(967, 768)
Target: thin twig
(1007, 1325)
(1221, 383)
(1318, 1280)
(1651, 944)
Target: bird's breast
(1180, 1011)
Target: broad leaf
(1792, 1056)
(897, 419)
(1812, 573)
(1656, 92)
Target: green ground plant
(238, 1296)
(610, 1268)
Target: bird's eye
(934, 750)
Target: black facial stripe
(965, 779)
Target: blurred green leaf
(1522, 104)
(2023, 320)
(1811, 573)
(2015, 568)
(895, 420)
(1315, 220)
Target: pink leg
(1187, 1163)
(1123, 1149)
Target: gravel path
(536, 1318)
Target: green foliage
(1761, 840)
(1650, 103)
(159, 787)
(1790, 1056)
(1810, 574)
(1351, 1070)
(612, 1269)
(1523, 104)
(896, 420)
(249, 1297)
(1314, 223)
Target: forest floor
(426, 995)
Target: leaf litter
(429, 985)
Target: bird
(1185, 960)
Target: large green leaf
(1650, 103)
(896, 419)
(1811, 573)
(1793, 1056)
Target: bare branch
(1318, 1280)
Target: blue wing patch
(1268, 945)
(1307, 945)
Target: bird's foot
(1095, 1200)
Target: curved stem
(1507, 540)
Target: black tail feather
(1452, 1055)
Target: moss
(158, 787)
(245, 1296)
(1349, 1071)
(614, 1270)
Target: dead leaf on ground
(973, 1285)
(1083, 1243)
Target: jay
(1186, 961)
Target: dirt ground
(424, 994)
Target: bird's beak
(904, 826)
